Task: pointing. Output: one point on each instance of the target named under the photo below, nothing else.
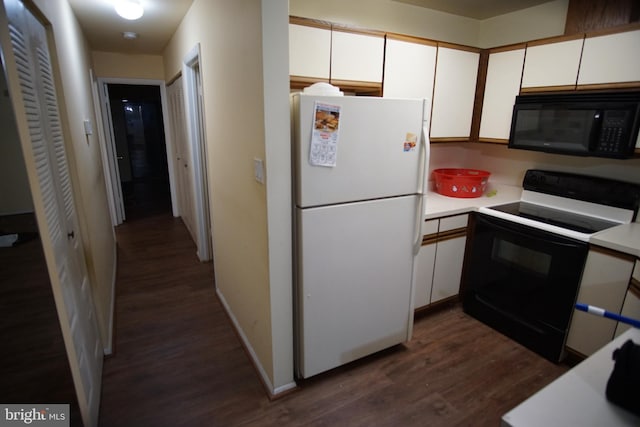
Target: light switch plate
(258, 170)
(88, 127)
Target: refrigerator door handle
(424, 150)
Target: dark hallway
(136, 111)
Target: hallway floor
(178, 361)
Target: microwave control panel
(613, 132)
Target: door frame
(109, 160)
(194, 109)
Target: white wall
(15, 194)
(127, 66)
(545, 20)
(275, 42)
(541, 21)
(251, 221)
(388, 15)
(507, 166)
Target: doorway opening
(138, 131)
(196, 131)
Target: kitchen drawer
(453, 222)
(429, 226)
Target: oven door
(522, 281)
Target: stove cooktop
(570, 220)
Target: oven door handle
(528, 232)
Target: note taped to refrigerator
(324, 138)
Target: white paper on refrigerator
(325, 135)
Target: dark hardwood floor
(178, 362)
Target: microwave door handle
(596, 129)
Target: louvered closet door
(175, 95)
(53, 197)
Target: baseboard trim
(273, 393)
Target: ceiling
(477, 9)
(103, 27)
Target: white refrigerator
(359, 177)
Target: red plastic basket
(461, 182)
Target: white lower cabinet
(448, 268)
(440, 260)
(631, 306)
(604, 284)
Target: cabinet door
(448, 268)
(454, 93)
(409, 69)
(611, 59)
(502, 86)
(604, 284)
(356, 57)
(309, 51)
(424, 275)
(552, 64)
(631, 306)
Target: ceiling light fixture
(130, 35)
(129, 9)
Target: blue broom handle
(604, 313)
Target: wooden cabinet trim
(429, 239)
(478, 102)
(452, 234)
(459, 47)
(555, 39)
(507, 48)
(354, 30)
(411, 39)
(441, 139)
(612, 252)
(493, 140)
(360, 87)
(308, 22)
(533, 89)
(613, 30)
(442, 236)
(300, 82)
(609, 86)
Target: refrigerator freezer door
(371, 159)
(354, 281)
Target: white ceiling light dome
(129, 9)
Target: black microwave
(581, 124)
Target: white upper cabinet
(356, 57)
(309, 51)
(504, 73)
(552, 64)
(613, 58)
(454, 93)
(409, 69)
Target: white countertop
(437, 205)
(577, 398)
(623, 238)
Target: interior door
(182, 155)
(28, 64)
(113, 158)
